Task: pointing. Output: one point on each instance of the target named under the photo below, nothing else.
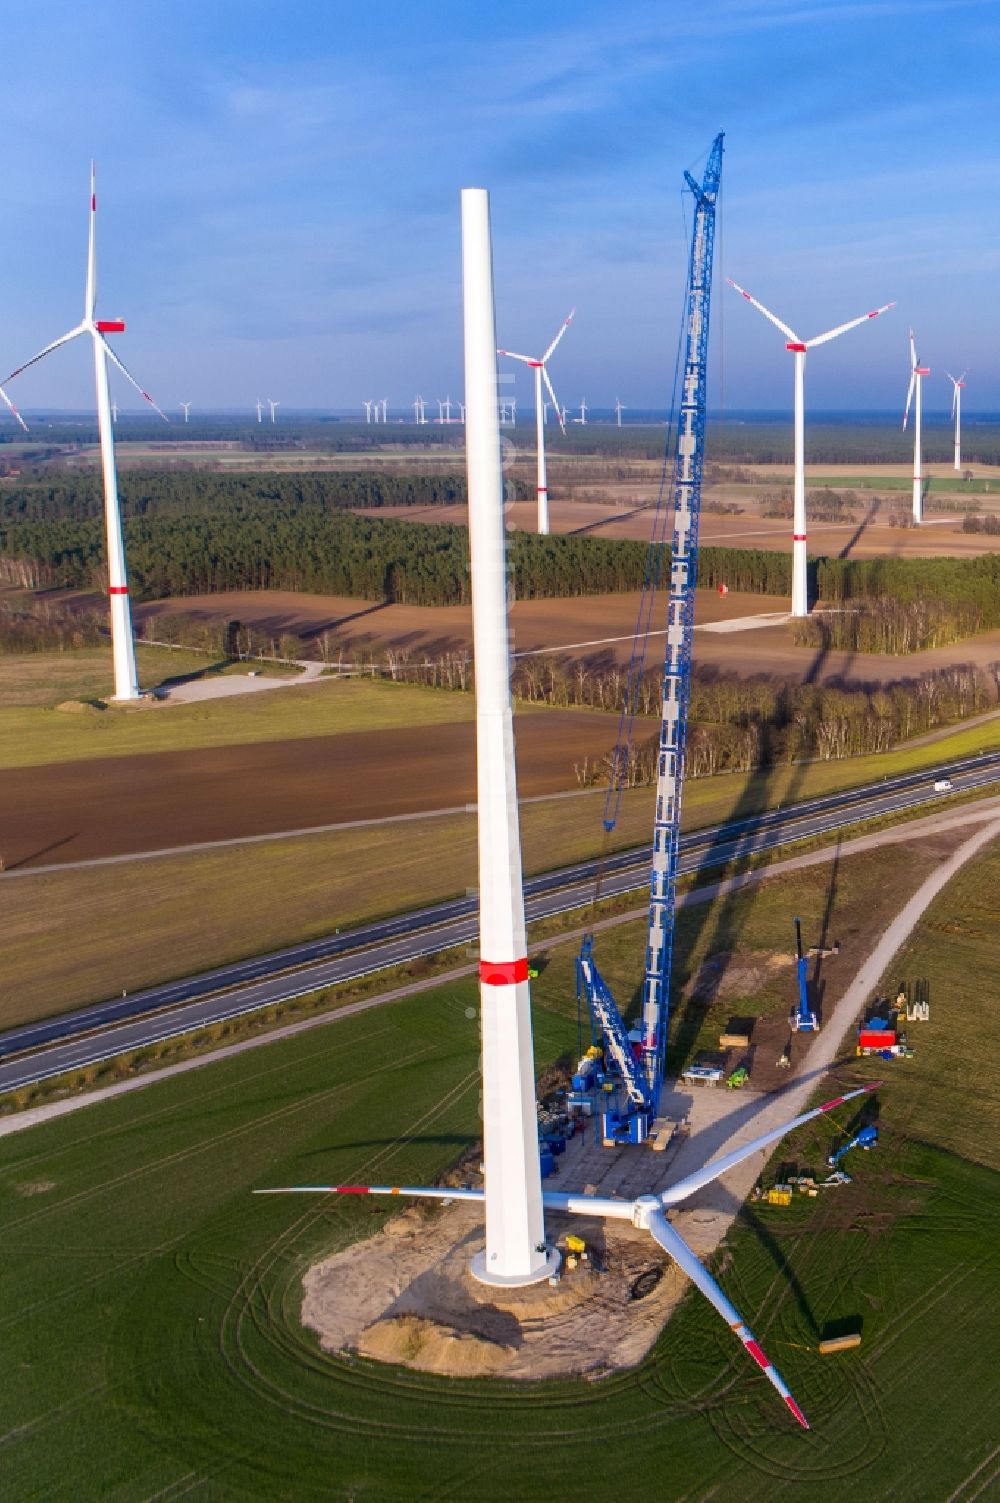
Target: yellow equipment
(779, 1195)
(575, 1244)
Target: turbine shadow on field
(860, 530)
(729, 855)
(45, 850)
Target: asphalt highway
(37, 1051)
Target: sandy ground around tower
(405, 1295)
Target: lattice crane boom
(688, 465)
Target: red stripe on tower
(118, 589)
(798, 537)
(543, 490)
(503, 972)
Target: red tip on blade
(351, 1190)
(796, 1411)
(828, 1106)
(93, 203)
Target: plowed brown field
(79, 810)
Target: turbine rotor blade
(913, 352)
(909, 397)
(789, 333)
(13, 409)
(565, 325)
(711, 1171)
(673, 1243)
(513, 355)
(129, 376)
(420, 1192)
(90, 296)
(63, 339)
(552, 394)
(843, 328)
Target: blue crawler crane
(803, 1019)
(633, 1068)
(866, 1138)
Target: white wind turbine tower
(368, 412)
(917, 374)
(260, 409)
(798, 348)
(122, 643)
(619, 409)
(114, 412)
(273, 406)
(511, 1196)
(186, 408)
(957, 387)
(582, 419)
(540, 368)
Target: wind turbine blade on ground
(843, 328)
(129, 377)
(709, 1172)
(565, 325)
(63, 339)
(673, 1244)
(790, 333)
(555, 401)
(436, 1192)
(13, 409)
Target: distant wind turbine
(540, 368)
(186, 407)
(917, 374)
(619, 409)
(122, 644)
(958, 386)
(798, 347)
(273, 406)
(260, 409)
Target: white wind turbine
(540, 368)
(957, 387)
(582, 419)
(798, 347)
(513, 1201)
(260, 410)
(122, 643)
(186, 408)
(619, 409)
(917, 374)
(273, 406)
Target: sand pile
(406, 1296)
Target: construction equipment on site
(636, 1069)
(839, 1344)
(866, 1138)
(738, 1078)
(802, 1019)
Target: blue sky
(279, 187)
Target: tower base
(482, 1274)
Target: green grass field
(35, 735)
(151, 1336)
(934, 483)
